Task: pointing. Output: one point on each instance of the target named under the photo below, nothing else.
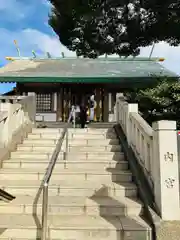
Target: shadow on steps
(115, 212)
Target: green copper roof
(90, 70)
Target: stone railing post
(29, 107)
(7, 128)
(166, 170)
(131, 107)
(119, 97)
(32, 107)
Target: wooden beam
(59, 115)
(105, 105)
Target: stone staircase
(91, 195)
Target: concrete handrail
(156, 150)
(14, 115)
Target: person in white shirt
(72, 114)
(92, 107)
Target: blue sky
(27, 22)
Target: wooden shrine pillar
(59, 115)
(19, 89)
(69, 102)
(66, 103)
(113, 100)
(105, 105)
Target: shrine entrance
(54, 100)
(78, 94)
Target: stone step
(71, 155)
(16, 163)
(75, 188)
(73, 130)
(72, 142)
(44, 149)
(100, 125)
(19, 226)
(92, 136)
(93, 206)
(43, 136)
(66, 174)
(53, 124)
(73, 136)
(108, 148)
(30, 155)
(39, 141)
(47, 130)
(92, 142)
(111, 148)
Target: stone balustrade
(17, 115)
(156, 150)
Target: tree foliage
(94, 27)
(159, 103)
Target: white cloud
(46, 3)
(45, 43)
(28, 40)
(171, 55)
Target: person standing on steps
(92, 106)
(72, 114)
(83, 116)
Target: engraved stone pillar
(165, 169)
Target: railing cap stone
(164, 125)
